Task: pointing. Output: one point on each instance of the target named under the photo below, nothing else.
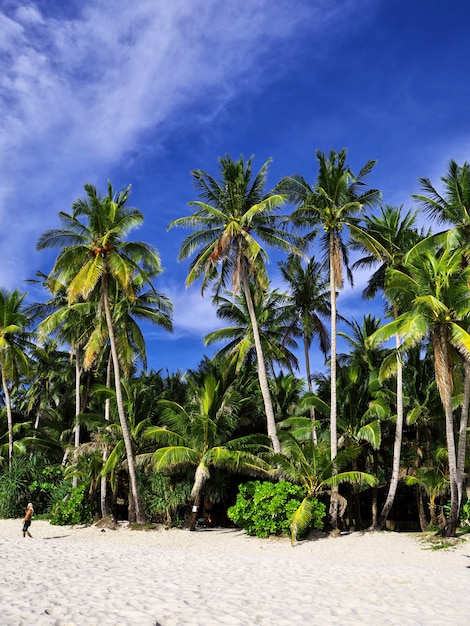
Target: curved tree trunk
(6, 392)
(139, 512)
(397, 444)
(262, 377)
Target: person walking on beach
(27, 520)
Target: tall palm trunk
(6, 392)
(462, 445)
(333, 399)
(310, 387)
(397, 443)
(77, 412)
(262, 377)
(104, 479)
(139, 512)
(443, 367)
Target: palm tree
(234, 217)
(273, 318)
(96, 262)
(432, 292)
(452, 207)
(335, 202)
(199, 436)
(308, 464)
(309, 304)
(14, 345)
(386, 238)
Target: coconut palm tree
(334, 203)
(432, 292)
(310, 465)
(233, 218)
(14, 346)
(273, 318)
(96, 263)
(386, 238)
(310, 304)
(452, 208)
(198, 435)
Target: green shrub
(74, 509)
(264, 508)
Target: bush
(74, 509)
(264, 508)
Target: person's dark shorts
(26, 525)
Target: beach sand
(215, 577)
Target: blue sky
(144, 92)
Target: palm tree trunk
(397, 443)
(6, 392)
(333, 399)
(442, 364)
(462, 445)
(423, 520)
(263, 379)
(310, 388)
(103, 487)
(77, 411)
(139, 512)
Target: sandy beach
(213, 577)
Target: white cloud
(78, 94)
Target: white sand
(84, 576)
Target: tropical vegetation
(373, 434)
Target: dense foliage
(264, 508)
(380, 431)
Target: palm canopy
(14, 337)
(309, 300)
(234, 218)
(385, 238)
(453, 205)
(273, 318)
(308, 464)
(432, 289)
(198, 435)
(335, 202)
(95, 246)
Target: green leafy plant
(163, 497)
(264, 508)
(74, 509)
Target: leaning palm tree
(14, 345)
(334, 203)
(198, 436)
(233, 218)
(96, 262)
(432, 292)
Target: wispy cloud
(80, 93)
